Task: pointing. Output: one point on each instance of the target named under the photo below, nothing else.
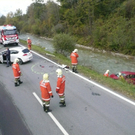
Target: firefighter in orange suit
(106, 73)
(74, 55)
(46, 92)
(29, 43)
(16, 72)
(60, 88)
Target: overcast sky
(7, 6)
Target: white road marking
(51, 115)
(113, 93)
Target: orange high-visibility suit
(46, 91)
(74, 57)
(106, 74)
(60, 88)
(16, 70)
(29, 43)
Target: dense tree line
(104, 24)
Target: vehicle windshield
(118, 74)
(10, 32)
(25, 51)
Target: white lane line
(51, 115)
(113, 93)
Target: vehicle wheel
(20, 61)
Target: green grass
(118, 86)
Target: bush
(63, 44)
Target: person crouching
(106, 73)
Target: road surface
(91, 109)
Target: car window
(128, 76)
(132, 76)
(118, 74)
(13, 52)
(123, 74)
(25, 50)
(3, 52)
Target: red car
(127, 75)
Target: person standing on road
(29, 43)
(16, 72)
(74, 55)
(60, 88)
(46, 92)
(8, 57)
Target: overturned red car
(127, 75)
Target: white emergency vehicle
(8, 35)
(0, 34)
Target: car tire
(20, 61)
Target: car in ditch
(22, 53)
(127, 75)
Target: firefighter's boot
(20, 82)
(60, 102)
(47, 109)
(76, 71)
(44, 108)
(16, 84)
(63, 104)
(73, 69)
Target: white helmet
(107, 71)
(59, 72)
(45, 77)
(16, 60)
(76, 50)
(28, 38)
(119, 73)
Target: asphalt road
(90, 110)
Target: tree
(38, 1)
(2, 20)
(18, 13)
(64, 44)
(9, 19)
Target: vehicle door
(1, 57)
(133, 79)
(0, 38)
(130, 78)
(13, 55)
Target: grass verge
(121, 87)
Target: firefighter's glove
(52, 96)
